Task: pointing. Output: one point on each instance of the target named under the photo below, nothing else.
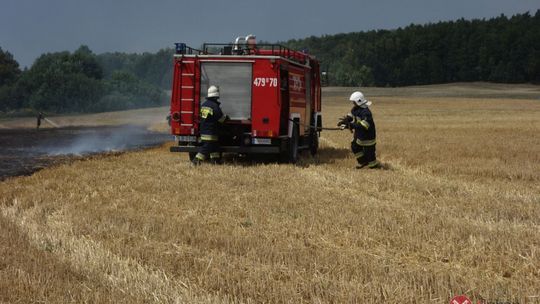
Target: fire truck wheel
(291, 154)
(313, 142)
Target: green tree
(76, 82)
(153, 68)
(85, 61)
(61, 82)
(125, 91)
(9, 74)
(9, 68)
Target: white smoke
(23, 151)
(97, 140)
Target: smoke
(104, 139)
(23, 151)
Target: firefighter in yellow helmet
(211, 118)
(360, 120)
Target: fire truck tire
(313, 142)
(291, 154)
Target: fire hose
(314, 127)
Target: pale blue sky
(31, 27)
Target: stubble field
(456, 210)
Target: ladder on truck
(187, 96)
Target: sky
(29, 28)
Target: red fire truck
(272, 95)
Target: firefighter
(361, 121)
(251, 43)
(40, 116)
(211, 118)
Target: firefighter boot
(360, 158)
(215, 158)
(374, 164)
(198, 159)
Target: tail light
(263, 133)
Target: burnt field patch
(24, 151)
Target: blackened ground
(24, 151)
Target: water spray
(51, 122)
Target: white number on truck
(265, 82)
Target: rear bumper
(233, 149)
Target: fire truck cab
(272, 95)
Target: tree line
(153, 68)
(500, 49)
(81, 81)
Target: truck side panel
(297, 93)
(316, 86)
(265, 106)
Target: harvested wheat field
(456, 210)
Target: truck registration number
(265, 82)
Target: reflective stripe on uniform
(360, 121)
(374, 163)
(359, 154)
(200, 156)
(369, 142)
(206, 137)
(364, 124)
(205, 111)
(215, 155)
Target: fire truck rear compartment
(234, 80)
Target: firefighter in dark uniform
(40, 117)
(211, 118)
(365, 138)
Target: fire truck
(272, 95)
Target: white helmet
(213, 91)
(251, 41)
(359, 99)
